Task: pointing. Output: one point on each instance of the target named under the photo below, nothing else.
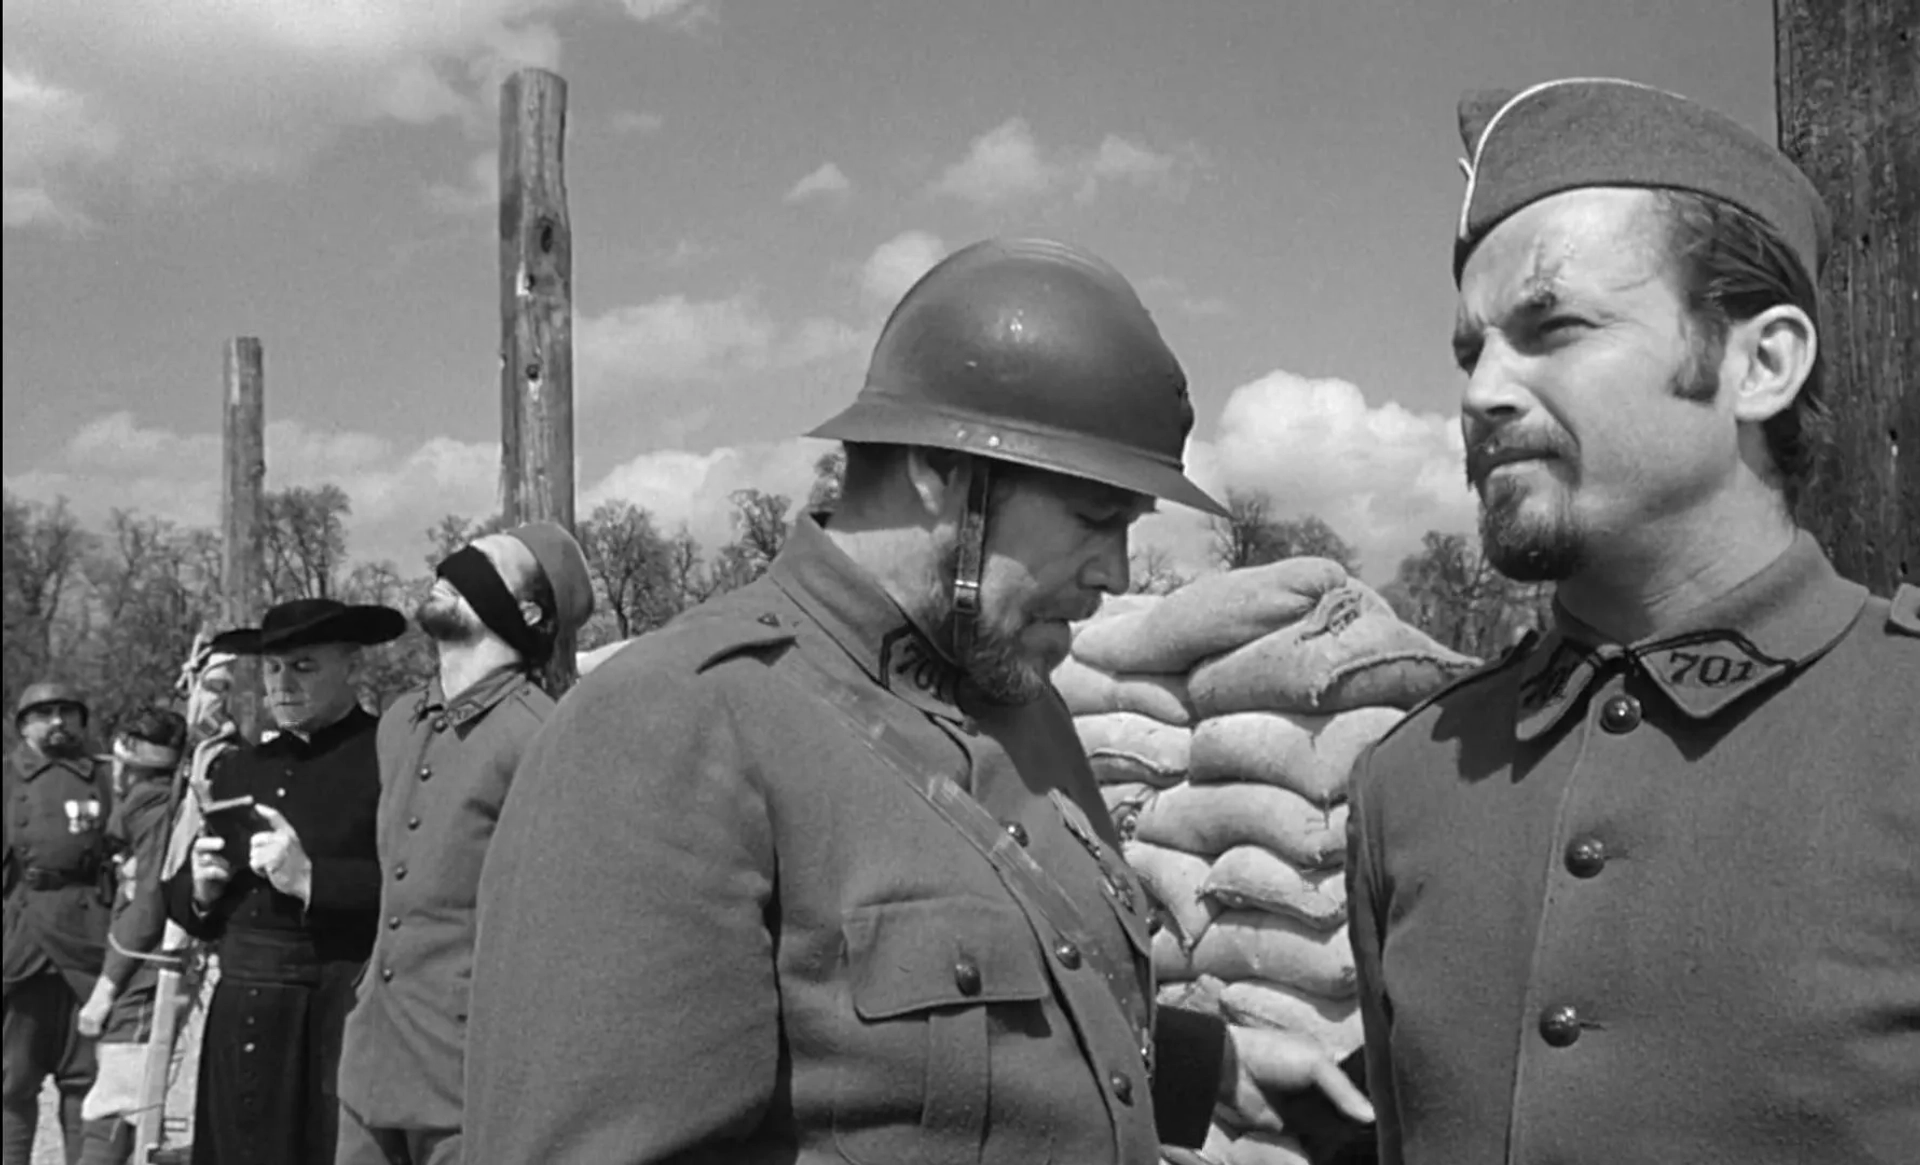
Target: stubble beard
(444, 623)
(1529, 548)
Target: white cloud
(897, 265)
(477, 193)
(826, 182)
(676, 339)
(1381, 476)
(396, 493)
(1008, 164)
(197, 88)
(681, 486)
(46, 130)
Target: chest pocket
(936, 985)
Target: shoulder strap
(865, 715)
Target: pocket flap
(941, 952)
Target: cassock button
(966, 976)
(1122, 1088)
(1620, 714)
(1069, 956)
(393, 923)
(1017, 832)
(399, 872)
(1586, 857)
(1560, 1026)
(386, 974)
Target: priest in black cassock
(288, 887)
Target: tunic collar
(856, 612)
(1792, 611)
(325, 740)
(30, 763)
(476, 700)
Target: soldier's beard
(1529, 548)
(445, 622)
(59, 742)
(996, 662)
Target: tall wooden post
(536, 316)
(242, 515)
(1847, 83)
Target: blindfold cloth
(469, 571)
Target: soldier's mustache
(1490, 450)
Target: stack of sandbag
(1222, 721)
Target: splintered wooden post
(536, 317)
(242, 514)
(1847, 84)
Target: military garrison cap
(1576, 132)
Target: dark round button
(393, 923)
(399, 872)
(1560, 1026)
(386, 974)
(439, 723)
(1069, 956)
(425, 771)
(1586, 857)
(1017, 832)
(966, 976)
(1122, 1088)
(413, 823)
(1620, 714)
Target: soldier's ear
(931, 474)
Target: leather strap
(973, 554)
(865, 713)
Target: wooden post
(1847, 84)
(242, 515)
(536, 317)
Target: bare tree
(1452, 592)
(305, 542)
(829, 479)
(632, 568)
(43, 550)
(1152, 571)
(1252, 535)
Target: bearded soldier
(820, 872)
(448, 752)
(58, 892)
(1647, 890)
(286, 882)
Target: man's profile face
(309, 687)
(54, 729)
(1055, 547)
(1591, 411)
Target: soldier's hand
(93, 1013)
(279, 857)
(210, 870)
(1264, 1065)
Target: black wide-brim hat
(306, 622)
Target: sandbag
(1089, 692)
(1211, 614)
(1334, 1023)
(1171, 963)
(1310, 753)
(1175, 1155)
(1202, 994)
(1124, 803)
(1351, 652)
(1211, 819)
(1251, 944)
(1164, 748)
(1173, 880)
(1250, 877)
(1114, 769)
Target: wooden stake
(1847, 83)
(536, 317)
(242, 515)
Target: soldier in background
(448, 751)
(119, 1013)
(1647, 889)
(58, 894)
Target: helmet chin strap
(973, 553)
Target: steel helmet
(49, 692)
(1032, 352)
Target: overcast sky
(751, 185)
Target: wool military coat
(445, 770)
(58, 883)
(1654, 902)
(713, 926)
